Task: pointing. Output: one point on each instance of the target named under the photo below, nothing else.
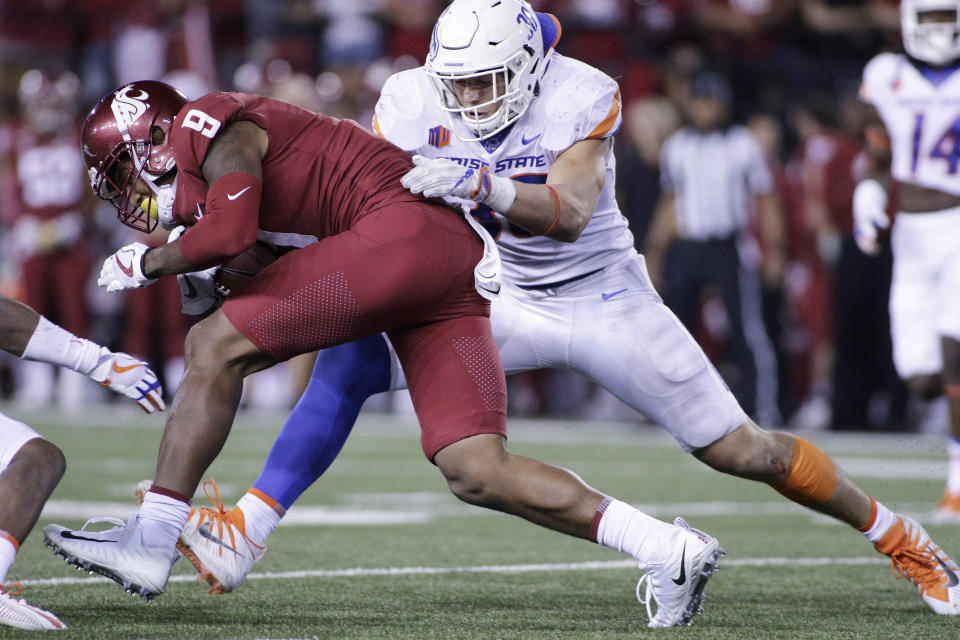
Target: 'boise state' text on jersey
(921, 110)
(576, 102)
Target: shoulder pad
(399, 113)
(879, 75)
(576, 102)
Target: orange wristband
(556, 218)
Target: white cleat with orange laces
(17, 612)
(216, 544)
(917, 558)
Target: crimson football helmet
(126, 140)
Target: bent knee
(473, 473)
(926, 386)
(44, 458)
(216, 344)
(750, 452)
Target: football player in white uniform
(914, 139)
(31, 467)
(523, 135)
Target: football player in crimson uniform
(913, 140)
(528, 148)
(372, 257)
(53, 208)
(31, 467)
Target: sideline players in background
(575, 294)
(914, 138)
(31, 467)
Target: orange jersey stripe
(602, 129)
(376, 127)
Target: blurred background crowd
(788, 70)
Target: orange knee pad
(811, 478)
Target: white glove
(125, 374)
(198, 290)
(438, 177)
(869, 215)
(124, 269)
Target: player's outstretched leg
(343, 378)
(32, 467)
(676, 560)
(803, 473)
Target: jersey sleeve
(604, 118)
(667, 178)
(199, 122)
(877, 77)
(398, 112)
(584, 104)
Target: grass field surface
(380, 549)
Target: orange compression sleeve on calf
(229, 223)
(811, 478)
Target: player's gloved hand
(869, 215)
(126, 375)
(124, 269)
(199, 293)
(438, 177)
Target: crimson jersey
(320, 174)
(50, 176)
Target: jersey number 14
(947, 148)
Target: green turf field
(379, 549)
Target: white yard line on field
(496, 568)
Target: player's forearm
(561, 217)
(17, 324)
(166, 260)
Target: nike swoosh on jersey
(127, 270)
(237, 194)
(683, 567)
(607, 296)
(526, 140)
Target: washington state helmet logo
(128, 108)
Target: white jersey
(921, 110)
(576, 102)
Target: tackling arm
(577, 176)
(235, 155)
(17, 324)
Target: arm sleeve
(229, 224)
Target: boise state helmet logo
(438, 136)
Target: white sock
(881, 524)
(627, 529)
(953, 466)
(260, 519)
(54, 344)
(8, 553)
(160, 520)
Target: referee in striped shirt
(715, 179)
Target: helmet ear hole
(157, 136)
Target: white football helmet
(499, 38)
(937, 43)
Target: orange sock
(811, 478)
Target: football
(235, 274)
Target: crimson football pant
(406, 269)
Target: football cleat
(676, 584)
(17, 612)
(948, 510)
(116, 553)
(917, 558)
(215, 543)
